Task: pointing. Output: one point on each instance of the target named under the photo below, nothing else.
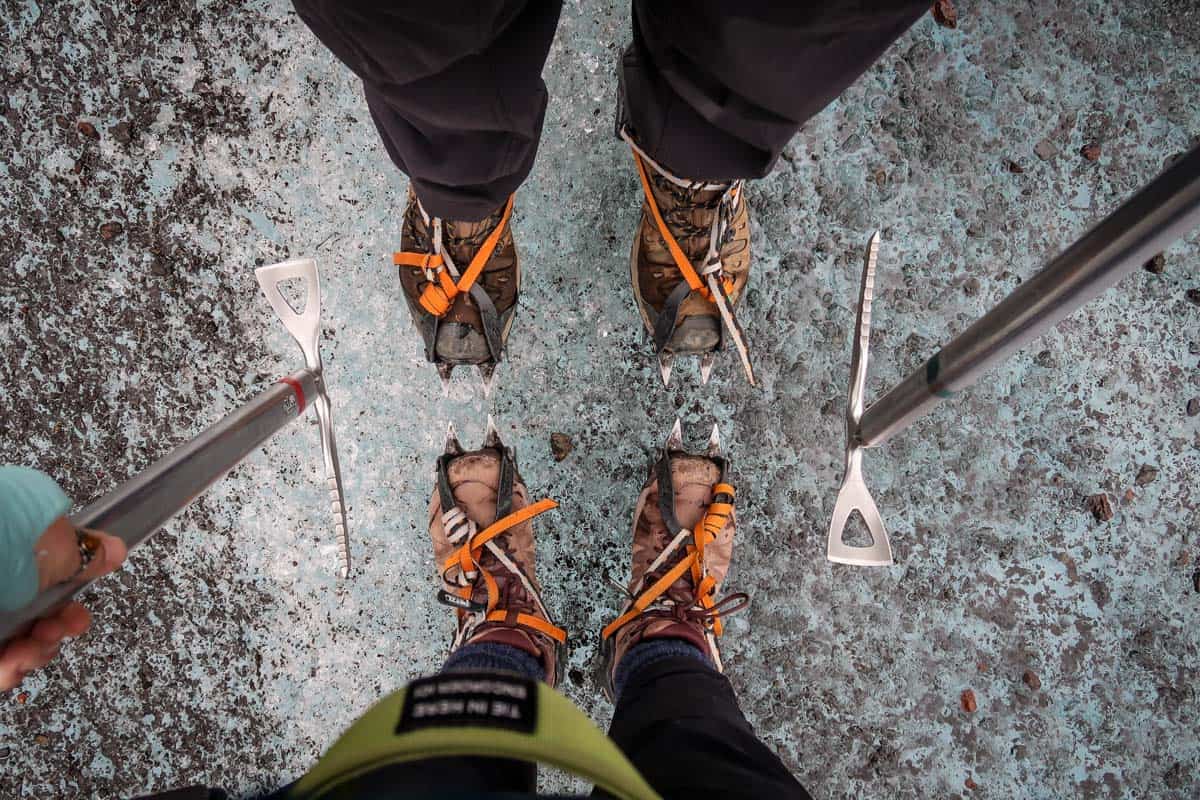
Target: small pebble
(122, 132)
(970, 784)
(42, 739)
(1146, 475)
(1100, 507)
(1157, 265)
(560, 445)
(1014, 167)
(87, 129)
(23, 697)
(1031, 679)
(968, 701)
(945, 14)
(111, 230)
(1090, 151)
(1193, 296)
(1193, 407)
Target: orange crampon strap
(466, 558)
(711, 524)
(681, 260)
(437, 297)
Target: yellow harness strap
(521, 719)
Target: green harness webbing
(393, 732)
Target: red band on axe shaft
(298, 389)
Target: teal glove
(29, 502)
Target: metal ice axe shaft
(1147, 223)
(137, 508)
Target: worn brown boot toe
(480, 520)
(683, 528)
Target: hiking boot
(479, 519)
(461, 281)
(690, 257)
(683, 529)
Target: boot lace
(465, 571)
(703, 607)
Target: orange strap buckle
(437, 298)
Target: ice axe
(1147, 223)
(137, 508)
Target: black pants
(712, 89)
(678, 721)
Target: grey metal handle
(1145, 224)
(137, 508)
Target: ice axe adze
(137, 508)
(1164, 210)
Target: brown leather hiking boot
(479, 520)
(692, 245)
(683, 529)
(461, 281)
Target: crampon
(480, 522)
(461, 281)
(683, 530)
(689, 265)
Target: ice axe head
(304, 326)
(854, 496)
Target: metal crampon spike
(444, 372)
(492, 437)
(665, 362)
(714, 443)
(732, 327)
(706, 367)
(487, 374)
(453, 446)
(675, 437)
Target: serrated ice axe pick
(854, 494)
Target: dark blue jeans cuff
(492, 656)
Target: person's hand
(58, 558)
